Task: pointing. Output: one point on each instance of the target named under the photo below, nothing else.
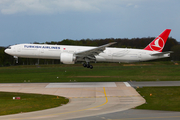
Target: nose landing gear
(16, 58)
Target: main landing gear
(88, 65)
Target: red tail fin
(158, 43)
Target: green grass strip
(102, 72)
(28, 102)
(161, 98)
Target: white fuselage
(108, 55)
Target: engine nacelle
(67, 58)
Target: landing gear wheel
(84, 65)
(91, 67)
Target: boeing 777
(71, 54)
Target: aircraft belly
(100, 59)
(39, 54)
(126, 58)
(104, 57)
(49, 54)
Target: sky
(28, 21)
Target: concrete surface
(155, 83)
(86, 99)
(133, 114)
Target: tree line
(139, 43)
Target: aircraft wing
(92, 52)
(161, 53)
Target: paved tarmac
(155, 83)
(97, 101)
(86, 99)
(135, 114)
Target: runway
(86, 99)
(93, 100)
(155, 83)
(135, 114)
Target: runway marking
(147, 118)
(127, 84)
(9, 85)
(81, 85)
(68, 112)
(105, 96)
(83, 89)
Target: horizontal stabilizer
(161, 53)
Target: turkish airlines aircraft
(71, 54)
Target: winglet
(159, 42)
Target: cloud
(132, 5)
(47, 6)
(60, 6)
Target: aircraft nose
(6, 51)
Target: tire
(91, 67)
(85, 65)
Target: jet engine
(67, 58)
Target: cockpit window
(9, 48)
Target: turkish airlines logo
(157, 44)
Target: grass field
(163, 98)
(102, 72)
(28, 102)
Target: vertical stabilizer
(159, 42)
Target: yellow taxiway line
(67, 112)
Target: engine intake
(67, 58)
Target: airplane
(70, 54)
